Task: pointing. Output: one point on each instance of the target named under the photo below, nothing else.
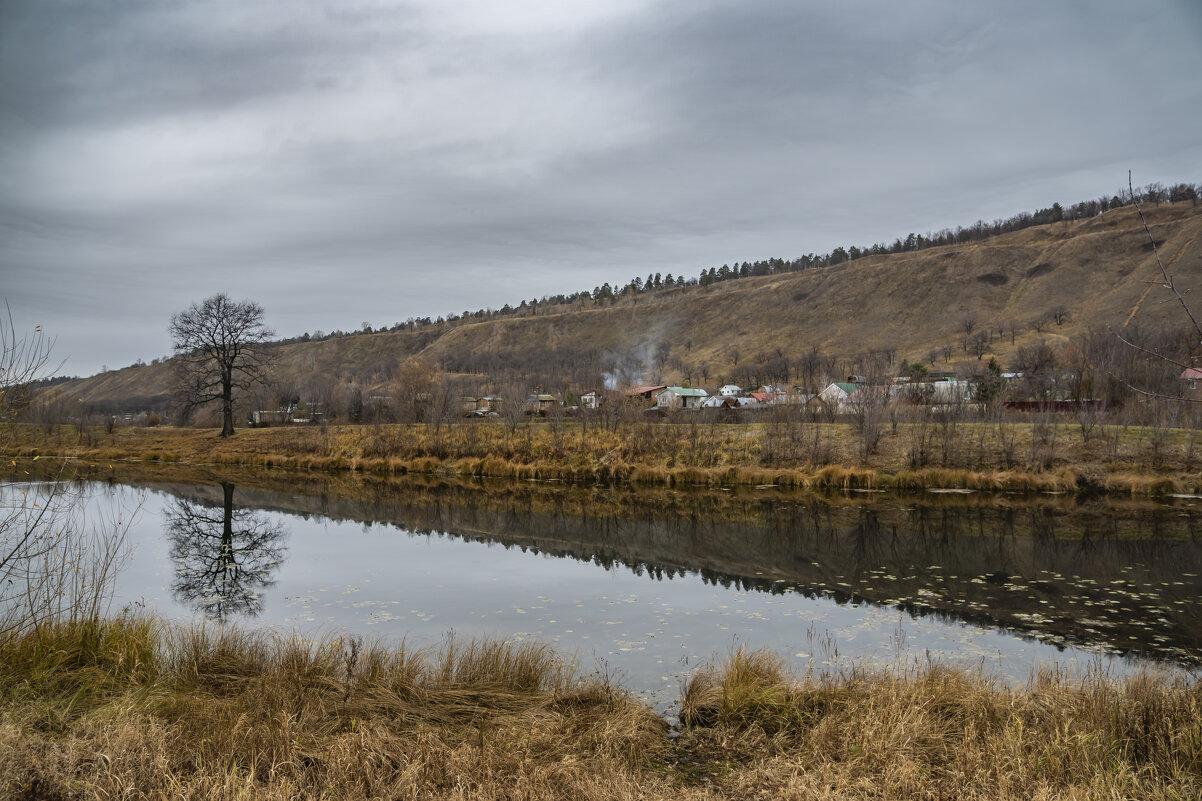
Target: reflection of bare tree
(223, 556)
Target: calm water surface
(646, 587)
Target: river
(644, 587)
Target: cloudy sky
(371, 160)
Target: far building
(680, 398)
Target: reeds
(929, 731)
(658, 455)
(133, 707)
(212, 712)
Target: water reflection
(1116, 576)
(224, 557)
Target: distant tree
(663, 351)
(968, 322)
(219, 346)
(990, 385)
(415, 385)
(979, 344)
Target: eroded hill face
(910, 304)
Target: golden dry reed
(136, 708)
(660, 455)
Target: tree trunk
(227, 404)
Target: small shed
(540, 404)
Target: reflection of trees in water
(224, 557)
(1127, 576)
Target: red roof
(645, 390)
(1192, 373)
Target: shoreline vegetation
(135, 706)
(999, 457)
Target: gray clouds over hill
(371, 161)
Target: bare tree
(867, 405)
(969, 323)
(1011, 325)
(219, 346)
(979, 344)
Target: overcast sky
(369, 160)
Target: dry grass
(133, 708)
(934, 732)
(655, 455)
(219, 713)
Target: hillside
(911, 306)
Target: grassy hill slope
(910, 303)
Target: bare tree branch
(1164, 273)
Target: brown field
(136, 708)
(1040, 456)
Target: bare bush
(57, 564)
(53, 564)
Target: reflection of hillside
(1125, 576)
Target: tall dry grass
(976, 455)
(929, 731)
(135, 708)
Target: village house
(486, 406)
(540, 404)
(730, 402)
(680, 398)
(837, 393)
(590, 400)
(648, 392)
(729, 390)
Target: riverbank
(135, 706)
(1023, 457)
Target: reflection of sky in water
(385, 582)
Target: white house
(680, 398)
(836, 394)
(729, 391)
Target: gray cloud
(370, 160)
